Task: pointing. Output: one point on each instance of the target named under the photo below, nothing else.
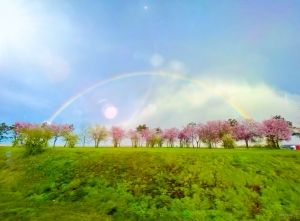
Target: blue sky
(247, 51)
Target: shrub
(35, 140)
(71, 139)
(228, 142)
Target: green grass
(150, 184)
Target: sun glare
(110, 112)
(18, 27)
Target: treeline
(212, 133)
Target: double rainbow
(146, 73)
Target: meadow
(150, 184)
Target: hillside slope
(149, 184)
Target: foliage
(232, 122)
(213, 131)
(170, 135)
(50, 131)
(5, 131)
(228, 142)
(153, 138)
(134, 136)
(117, 134)
(98, 133)
(71, 139)
(247, 130)
(140, 128)
(35, 139)
(276, 130)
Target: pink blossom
(117, 134)
(277, 130)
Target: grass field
(150, 184)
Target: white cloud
(156, 60)
(177, 66)
(181, 104)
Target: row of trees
(211, 134)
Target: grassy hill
(150, 184)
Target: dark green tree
(6, 132)
(232, 122)
(141, 127)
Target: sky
(160, 63)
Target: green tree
(34, 140)
(232, 122)
(141, 127)
(5, 131)
(71, 139)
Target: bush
(71, 139)
(228, 142)
(35, 140)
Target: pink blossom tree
(276, 130)
(198, 134)
(134, 136)
(206, 134)
(247, 130)
(33, 136)
(181, 137)
(185, 136)
(21, 129)
(171, 136)
(213, 132)
(59, 130)
(118, 134)
(152, 138)
(144, 136)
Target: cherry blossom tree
(185, 136)
(197, 138)
(118, 134)
(212, 132)
(134, 136)
(21, 129)
(159, 136)
(144, 135)
(247, 130)
(59, 130)
(181, 137)
(171, 136)
(276, 130)
(206, 134)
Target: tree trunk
(247, 144)
(55, 139)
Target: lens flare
(110, 112)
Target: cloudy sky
(160, 63)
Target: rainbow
(145, 73)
